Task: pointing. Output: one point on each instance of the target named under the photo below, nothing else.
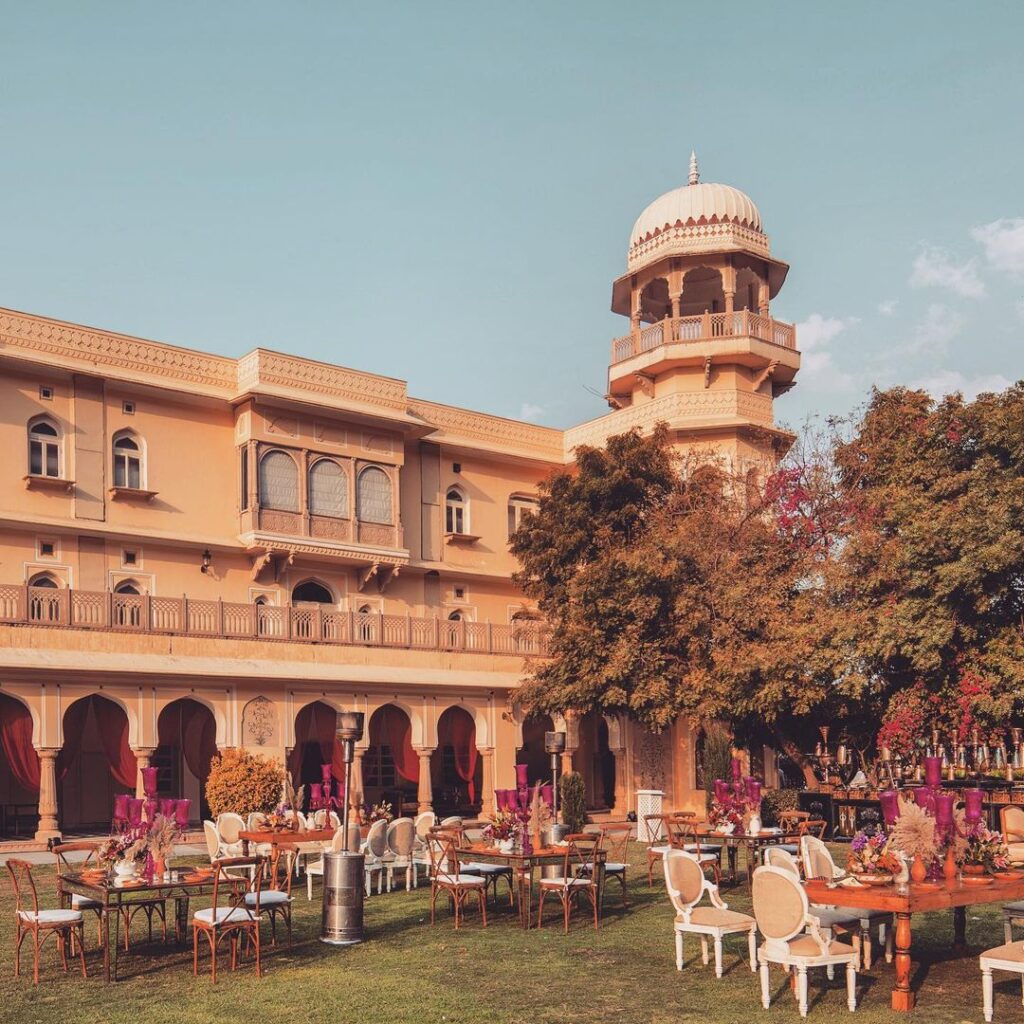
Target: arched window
(43, 601)
(310, 591)
(373, 496)
(44, 579)
(279, 482)
(129, 461)
(127, 587)
(365, 624)
(128, 611)
(44, 448)
(456, 509)
(519, 506)
(328, 489)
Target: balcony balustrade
(184, 616)
(705, 327)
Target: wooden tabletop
(537, 853)
(287, 837)
(918, 898)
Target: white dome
(692, 203)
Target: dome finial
(694, 169)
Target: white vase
(755, 824)
(124, 868)
(506, 845)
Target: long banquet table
(904, 901)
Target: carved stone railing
(184, 616)
(706, 327)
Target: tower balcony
(740, 337)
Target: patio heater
(554, 744)
(342, 917)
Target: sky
(444, 192)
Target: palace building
(199, 552)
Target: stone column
(48, 825)
(730, 300)
(424, 792)
(487, 796)
(621, 791)
(142, 756)
(356, 782)
(567, 766)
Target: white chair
(1011, 822)
(453, 822)
(256, 821)
(212, 840)
(818, 863)
(424, 822)
(793, 936)
(320, 819)
(1009, 957)
(400, 839)
(230, 826)
(317, 867)
(375, 853)
(686, 884)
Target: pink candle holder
(547, 794)
(325, 773)
(933, 772)
(522, 771)
(149, 779)
(167, 807)
(737, 769)
(973, 806)
(721, 790)
(890, 801)
(181, 813)
(316, 794)
(944, 809)
(135, 812)
(121, 807)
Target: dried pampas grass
(914, 832)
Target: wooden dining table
(523, 866)
(906, 900)
(754, 844)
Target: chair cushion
(613, 867)
(789, 848)
(1016, 852)
(467, 880)
(268, 898)
(1014, 908)
(1013, 951)
(51, 916)
(713, 917)
(564, 883)
(225, 915)
(807, 945)
(84, 902)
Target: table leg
(180, 918)
(106, 943)
(732, 851)
(526, 896)
(960, 930)
(117, 938)
(902, 997)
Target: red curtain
(188, 725)
(16, 743)
(461, 734)
(317, 723)
(391, 726)
(112, 725)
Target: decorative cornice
(359, 552)
(696, 238)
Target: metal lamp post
(342, 917)
(554, 744)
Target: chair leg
(986, 992)
(766, 996)
(679, 951)
(62, 944)
(566, 909)
(851, 986)
(705, 957)
(81, 949)
(752, 946)
(35, 957)
(540, 908)
(1007, 931)
(718, 956)
(865, 944)
(801, 984)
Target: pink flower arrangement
(872, 853)
(987, 848)
(503, 826)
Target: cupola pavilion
(341, 545)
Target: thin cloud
(935, 268)
(946, 382)
(1003, 243)
(937, 329)
(888, 307)
(814, 337)
(530, 412)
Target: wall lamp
(207, 560)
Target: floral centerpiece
(504, 828)
(985, 850)
(382, 811)
(872, 853)
(280, 819)
(127, 849)
(724, 818)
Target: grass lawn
(410, 973)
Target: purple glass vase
(181, 813)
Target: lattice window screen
(373, 496)
(328, 490)
(279, 482)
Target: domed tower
(703, 349)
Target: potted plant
(985, 853)
(872, 857)
(503, 829)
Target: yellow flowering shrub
(242, 782)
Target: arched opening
(456, 768)
(278, 482)
(44, 601)
(532, 752)
(187, 736)
(391, 768)
(95, 762)
(373, 496)
(127, 609)
(596, 762)
(518, 508)
(366, 624)
(19, 770)
(328, 490)
(129, 461)
(655, 303)
(316, 727)
(748, 290)
(702, 292)
(44, 448)
(456, 512)
(312, 592)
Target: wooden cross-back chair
(654, 835)
(578, 878)
(236, 919)
(445, 877)
(276, 899)
(64, 925)
(74, 901)
(615, 840)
